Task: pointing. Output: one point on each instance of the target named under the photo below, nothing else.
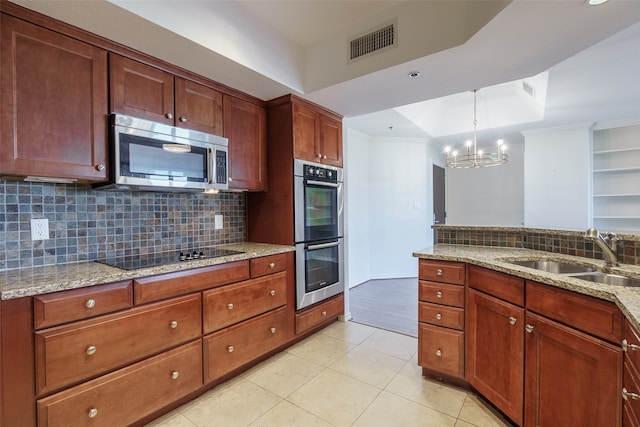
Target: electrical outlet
(217, 224)
(39, 229)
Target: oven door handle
(322, 246)
(323, 184)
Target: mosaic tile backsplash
(86, 224)
(556, 241)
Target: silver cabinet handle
(439, 316)
(175, 375)
(324, 156)
(272, 265)
(512, 320)
(528, 328)
(319, 156)
(272, 293)
(626, 346)
(230, 349)
(92, 413)
(628, 395)
(324, 313)
(173, 324)
(169, 116)
(439, 353)
(273, 330)
(439, 272)
(439, 294)
(230, 306)
(90, 303)
(100, 167)
(183, 119)
(91, 350)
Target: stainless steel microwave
(150, 156)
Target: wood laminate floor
(390, 304)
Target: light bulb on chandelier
(475, 158)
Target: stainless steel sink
(609, 279)
(553, 266)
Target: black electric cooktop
(133, 262)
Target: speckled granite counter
(495, 258)
(40, 280)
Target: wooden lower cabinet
(571, 378)
(231, 348)
(495, 351)
(319, 314)
(127, 395)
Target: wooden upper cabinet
(245, 125)
(140, 91)
(53, 93)
(149, 93)
(316, 137)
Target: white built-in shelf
(618, 195)
(617, 170)
(616, 217)
(619, 150)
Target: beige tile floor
(345, 375)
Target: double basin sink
(577, 271)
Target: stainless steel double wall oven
(319, 236)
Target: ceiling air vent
(529, 89)
(373, 41)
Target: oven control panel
(320, 174)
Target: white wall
(388, 194)
(491, 196)
(557, 189)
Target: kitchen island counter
(497, 258)
(23, 282)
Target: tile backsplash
(85, 224)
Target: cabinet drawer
(70, 353)
(632, 347)
(442, 271)
(154, 288)
(267, 265)
(499, 285)
(441, 350)
(441, 293)
(67, 306)
(441, 315)
(238, 345)
(126, 395)
(319, 314)
(602, 319)
(231, 304)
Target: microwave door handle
(324, 184)
(210, 166)
(322, 246)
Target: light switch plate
(39, 229)
(218, 222)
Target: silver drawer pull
(439, 294)
(512, 320)
(92, 413)
(439, 316)
(439, 353)
(173, 324)
(324, 313)
(272, 293)
(175, 375)
(230, 349)
(91, 350)
(628, 395)
(528, 328)
(626, 346)
(273, 330)
(439, 272)
(90, 303)
(272, 265)
(230, 306)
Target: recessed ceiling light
(414, 74)
(596, 2)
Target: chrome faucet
(608, 244)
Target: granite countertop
(41, 280)
(496, 258)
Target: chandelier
(474, 158)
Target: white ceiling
(269, 48)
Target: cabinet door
(245, 125)
(198, 107)
(140, 90)
(572, 378)
(53, 94)
(305, 133)
(330, 146)
(495, 352)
